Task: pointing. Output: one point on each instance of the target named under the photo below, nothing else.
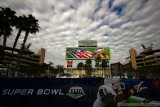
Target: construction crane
(143, 46)
(147, 51)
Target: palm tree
(80, 66)
(50, 67)
(20, 26)
(88, 67)
(2, 18)
(26, 48)
(31, 26)
(54, 71)
(60, 69)
(7, 18)
(104, 65)
(97, 62)
(32, 70)
(1, 22)
(7, 21)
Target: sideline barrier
(77, 92)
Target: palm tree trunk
(14, 45)
(4, 46)
(23, 45)
(4, 41)
(25, 39)
(16, 40)
(1, 32)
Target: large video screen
(87, 52)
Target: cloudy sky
(118, 24)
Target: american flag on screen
(80, 53)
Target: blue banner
(77, 92)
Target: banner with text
(77, 92)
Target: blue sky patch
(110, 3)
(118, 9)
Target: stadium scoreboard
(79, 53)
(87, 43)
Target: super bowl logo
(76, 92)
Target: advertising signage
(69, 63)
(79, 92)
(87, 52)
(87, 43)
